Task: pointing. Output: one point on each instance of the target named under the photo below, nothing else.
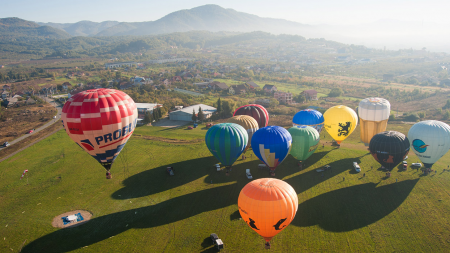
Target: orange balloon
(268, 206)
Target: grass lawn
(143, 209)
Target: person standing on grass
(364, 175)
(343, 179)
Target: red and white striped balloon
(100, 121)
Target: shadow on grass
(235, 216)
(311, 178)
(353, 207)
(158, 180)
(103, 227)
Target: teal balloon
(305, 141)
(226, 142)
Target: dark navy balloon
(389, 148)
(309, 117)
(271, 145)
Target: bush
(411, 117)
(391, 117)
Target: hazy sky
(303, 11)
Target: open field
(142, 209)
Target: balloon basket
(267, 245)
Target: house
(6, 87)
(186, 113)
(238, 89)
(310, 94)
(218, 86)
(30, 101)
(166, 82)
(252, 85)
(11, 102)
(269, 88)
(344, 58)
(66, 85)
(198, 76)
(188, 76)
(137, 80)
(283, 97)
(176, 79)
(5, 95)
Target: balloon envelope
(100, 121)
(248, 123)
(268, 206)
(430, 140)
(271, 145)
(258, 112)
(309, 117)
(340, 121)
(226, 142)
(373, 117)
(389, 148)
(305, 141)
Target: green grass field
(142, 209)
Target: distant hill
(211, 18)
(16, 29)
(82, 28)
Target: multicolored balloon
(268, 206)
(389, 148)
(248, 123)
(305, 141)
(100, 121)
(226, 142)
(373, 117)
(271, 145)
(340, 121)
(258, 112)
(309, 117)
(430, 140)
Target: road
(58, 117)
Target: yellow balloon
(340, 121)
(248, 123)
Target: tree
(219, 106)
(148, 118)
(194, 116)
(227, 108)
(155, 114)
(200, 116)
(447, 105)
(59, 87)
(299, 98)
(118, 75)
(446, 115)
(273, 103)
(335, 92)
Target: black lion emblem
(344, 129)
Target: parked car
(406, 157)
(190, 128)
(31, 131)
(54, 117)
(356, 166)
(247, 173)
(170, 171)
(416, 164)
(215, 239)
(6, 144)
(209, 125)
(217, 167)
(405, 165)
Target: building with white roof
(185, 114)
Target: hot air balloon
(389, 148)
(305, 141)
(373, 117)
(271, 145)
(248, 123)
(100, 121)
(309, 117)
(268, 206)
(258, 112)
(430, 140)
(340, 121)
(226, 142)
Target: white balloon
(430, 140)
(374, 109)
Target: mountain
(211, 18)
(82, 28)
(16, 29)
